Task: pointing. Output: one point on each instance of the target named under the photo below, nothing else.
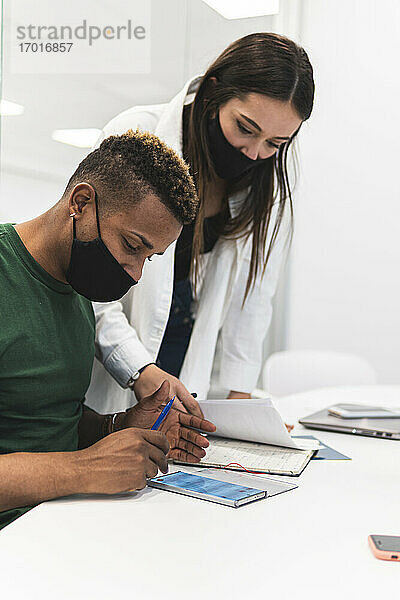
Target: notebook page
(254, 420)
(254, 456)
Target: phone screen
(205, 485)
(388, 543)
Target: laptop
(372, 427)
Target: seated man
(126, 202)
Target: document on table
(253, 456)
(252, 420)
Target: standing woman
(234, 126)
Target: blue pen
(163, 414)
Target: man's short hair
(125, 168)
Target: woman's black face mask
(228, 161)
(93, 271)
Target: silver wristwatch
(135, 376)
(132, 379)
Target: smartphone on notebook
(358, 411)
(205, 488)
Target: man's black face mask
(93, 271)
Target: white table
(308, 543)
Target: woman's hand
(152, 377)
(186, 444)
(233, 394)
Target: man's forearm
(29, 478)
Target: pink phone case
(383, 554)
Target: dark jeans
(178, 331)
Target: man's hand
(185, 444)
(151, 379)
(123, 460)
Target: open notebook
(252, 436)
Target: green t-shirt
(46, 355)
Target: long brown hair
(264, 63)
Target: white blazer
(130, 331)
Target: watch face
(138, 373)
(133, 379)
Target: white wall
(345, 279)
(24, 196)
